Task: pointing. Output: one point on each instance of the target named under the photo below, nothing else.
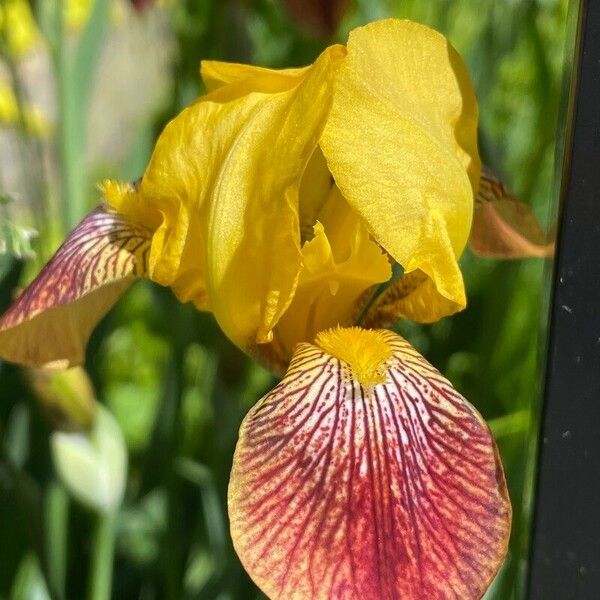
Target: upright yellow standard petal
(222, 191)
(253, 240)
(401, 144)
(315, 189)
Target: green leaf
(89, 49)
(141, 528)
(15, 241)
(213, 515)
(517, 422)
(17, 435)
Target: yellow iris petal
(222, 188)
(401, 144)
(216, 74)
(340, 263)
(276, 200)
(254, 241)
(315, 187)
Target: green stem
(74, 75)
(101, 565)
(27, 496)
(173, 557)
(70, 140)
(57, 518)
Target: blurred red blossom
(320, 17)
(141, 5)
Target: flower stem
(74, 74)
(70, 130)
(174, 557)
(101, 564)
(57, 519)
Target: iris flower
(295, 204)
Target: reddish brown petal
(141, 5)
(53, 317)
(321, 17)
(504, 227)
(391, 491)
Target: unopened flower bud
(93, 466)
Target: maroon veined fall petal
(503, 226)
(51, 320)
(388, 491)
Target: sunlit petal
(52, 319)
(216, 74)
(401, 143)
(253, 239)
(223, 185)
(367, 492)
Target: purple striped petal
(53, 317)
(368, 492)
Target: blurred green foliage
(179, 390)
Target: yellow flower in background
(77, 13)
(20, 30)
(9, 109)
(284, 201)
(18, 27)
(35, 121)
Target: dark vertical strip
(565, 556)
